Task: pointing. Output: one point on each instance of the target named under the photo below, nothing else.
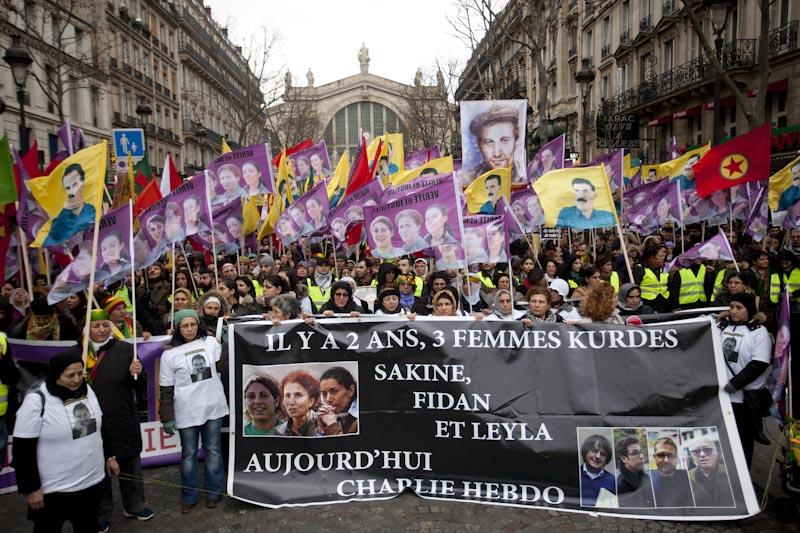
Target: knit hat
(60, 362)
(111, 303)
(184, 313)
(266, 260)
(98, 314)
(748, 301)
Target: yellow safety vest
(486, 280)
(792, 281)
(692, 290)
(317, 295)
(572, 284)
(418, 286)
(651, 286)
(124, 293)
(258, 288)
(614, 281)
(3, 386)
(718, 284)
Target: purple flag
(182, 213)
(309, 212)
(758, 221)
(420, 157)
(660, 206)
(310, 166)
(791, 219)
(717, 248)
(351, 209)
(714, 209)
(227, 230)
(242, 172)
(549, 157)
(30, 216)
(527, 209)
(515, 228)
(485, 239)
(425, 219)
(113, 260)
(777, 379)
(613, 163)
(393, 193)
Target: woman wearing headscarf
(341, 301)
(747, 348)
(193, 402)
(111, 371)
(20, 301)
(437, 282)
(158, 287)
(503, 307)
(114, 306)
(210, 307)
(58, 450)
(388, 302)
(445, 303)
(471, 300)
(44, 323)
(629, 301)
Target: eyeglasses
(665, 455)
(705, 450)
(634, 453)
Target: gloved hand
(730, 389)
(169, 427)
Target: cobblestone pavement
(405, 513)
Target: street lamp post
(719, 10)
(584, 77)
(19, 60)
(143, 110)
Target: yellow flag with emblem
(681, 167)
(250, 215)
(784, 187)
(72, 195)
(225, 147)
(278, 201)
(442, 165)
(483, 194)
(339, 177)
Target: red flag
(360, 173)
(741, 160)
(149, 195)
(170, 180)
(354, 232)
(308, 143)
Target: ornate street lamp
(19, 60)
(584, 77)
(718, 12)
(144, 111)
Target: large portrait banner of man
(553, 422)
(492, 137)
(578, 198)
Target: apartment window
(95, 107)
(606, 32)
(646, 12)
(729, 115)
(624, 21)
(126, 56)
(79, 42)
(589, 48)
(694, 125)
(52, 142)
(668, 53)
(623, 77)
(732, 29)
(365, 122)
(126, 103)
(74, 100)
(695, 48)
(51, 75)
(377, 117)
(776, 109)
(778, 13)
(606, 87)
(136, 58)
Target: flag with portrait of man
(483, 194)
(443, 165)
(578, 198)
(493, 137)
(784, 187)
(71, 195)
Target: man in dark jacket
(633, 484)
(117, 380)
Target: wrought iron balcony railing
(735, 55)
(783, 39)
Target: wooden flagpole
(133, 288)
(172, 307)
(26, 262)
(625, 253)
(90, 289)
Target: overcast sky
(326, 35)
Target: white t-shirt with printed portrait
(740, 345)
(190, 368)
(69, 452)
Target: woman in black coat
(117, 380)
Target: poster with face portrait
(485, 239)
(713, 208)
(310, 166)
(242, 172)
(113, 257)
(784, 187)
(513, 226)
(308, 214)
(740, 202)
(549, 157)
(717, 248)
(493, 136)
(419, 157)
(184, 212)
(428, 218)
(350, 210)
(81, 418)
(228, 228)
(527, 209)
(577, 198)
(613, 164)
(682, 168)
(659, 207)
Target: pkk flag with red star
(741, 160)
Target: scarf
(406, 300)
(64, 393)
(323, 281)
(124, 332)
(42, 328)
(474, 295)
(94, 356)
(549, 317)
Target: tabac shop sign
(617, 130)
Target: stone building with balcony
(144, 70)
(218, 91)
(67, 77)
(647, 61)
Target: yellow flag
(628, 171)
(225, 147)
(680, 167)
(272, 206)
(483, 194)
(250, 215)
(442, 165)
(784, 187)
(340, 173)
(577, 198)
(72, 195)
(284, 183)
(392, 150)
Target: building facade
(163, 65)
(647, 61)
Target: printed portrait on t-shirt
(82, 420)
(199, 369)
(730, 348)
